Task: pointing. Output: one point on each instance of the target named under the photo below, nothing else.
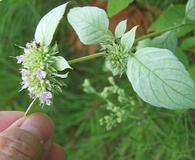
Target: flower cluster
(40, 65)
(117, 56)
(117, 104)
(115, 117)
(38, 71)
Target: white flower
(46, 98)
(25, 79)
(40, 74)
(20, 59)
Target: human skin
(27, 138)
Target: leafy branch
(149, 35)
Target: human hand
(27, 138)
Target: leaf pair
(91, 25)
(127, 39)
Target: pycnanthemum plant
(156, 75)
(40, 64)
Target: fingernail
(39, 125)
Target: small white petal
(46, 98)
(40, 74)
(20, 59)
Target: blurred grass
(149, 134)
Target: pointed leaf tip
(121, 28)
(60, 63)
(128, 38)
(48, 24)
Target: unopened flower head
(38, 71)
(118, 49)
(117, 56)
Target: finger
(8, 117)
(56, 152)
(29, 141)
(40, 125)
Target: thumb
(27, 139)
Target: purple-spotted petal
(24, 74)
(32, 93)
(40, 74)
(25, 78)
(46, 98)
(20, 59)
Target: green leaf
(190, 10)
(172, 16)
(188, 43)
(115, 6)
(128, 38)
(90, 23)
(160, 79)
(167, 40)
(121, 28)
(48, 24)
(60, 63)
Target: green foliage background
(148, 133)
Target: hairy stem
(86, 58)
(30, 106)
(154, 34)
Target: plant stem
(29, 107)
(150, 35)
(86, 58)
